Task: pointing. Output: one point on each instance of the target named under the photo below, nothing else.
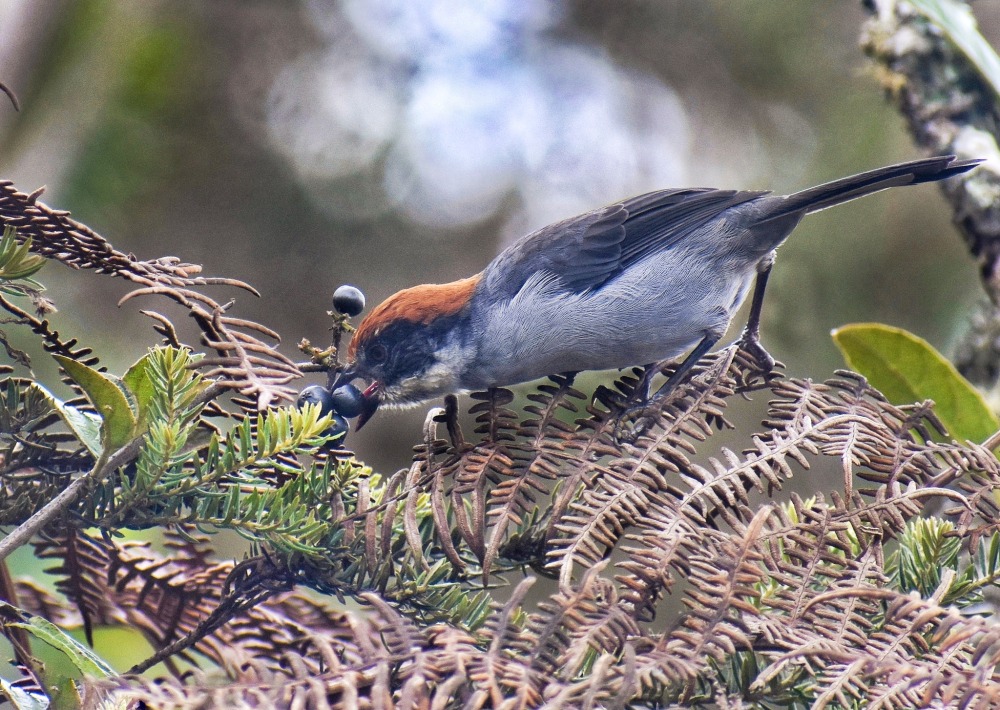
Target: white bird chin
(399, 405)
(414, 391)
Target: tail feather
(911, 173)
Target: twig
(18, 637)
(233, 603)
(10, 95)
(104, 467)
(55, 507)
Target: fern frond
(246, 362)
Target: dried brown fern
(792, 595)
(676, 571)
(783, 598)
(245, 361)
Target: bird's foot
(647, 410)
(640, 415)
(749, 343)
(635, 421)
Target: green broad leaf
(906, 368)
(140, 385)
(82, 658)
(85, 425)
(116, 406)
(21, 699)
(959, 24)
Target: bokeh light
(458, 106)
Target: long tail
(912, 173)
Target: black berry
(348, 300)
(347, 401)
(337, 430)
(314, 394)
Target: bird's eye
(377, 353)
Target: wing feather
(586, 251)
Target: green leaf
(82, 658)
(926, 548)
(85, 425)
(139, 383)
(959, 24)
(110, 398)
(906, 368)
(16, 260)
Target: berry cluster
(345, 401)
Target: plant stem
(48, 512)
(104, 467)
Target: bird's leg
(450, 418)
(647, 405)
(750, 340)
(681, 373)
(641, 391)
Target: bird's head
(410, 347)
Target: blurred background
(301, 145)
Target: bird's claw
(632, 423)
(750, 344)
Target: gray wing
(586, 251)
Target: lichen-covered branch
(949, 107)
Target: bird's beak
(371, 399)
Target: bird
(637, 282)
